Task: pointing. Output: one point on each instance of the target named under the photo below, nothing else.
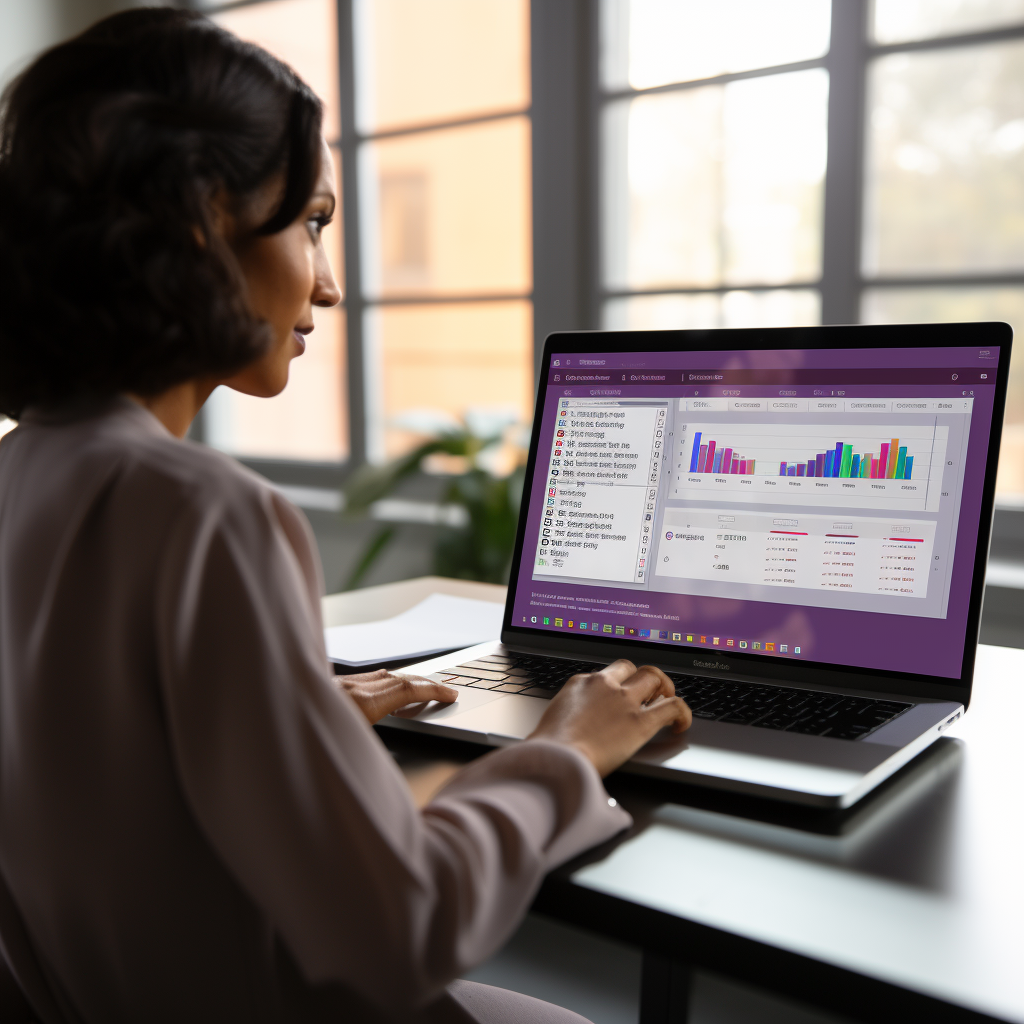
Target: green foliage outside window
(482, 507)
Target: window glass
(302, 33)
(654, 42)
(720, 184)
(306, 420)
(945, 169)
(426, 62)
(945, 304)
(777, 308)
(434, 362)
(448, 211)
(334, 235)
(896, 21)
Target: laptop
(792, 523)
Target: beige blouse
(195, 824)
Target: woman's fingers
(610, 714)
(381, 693)
(672, 711)
(618, 671)
(420, 690)
(409, 695)
(365, 677)
(644, 683)
(649, 682)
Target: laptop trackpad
(512, 717)
(502, 715)
(468, 700)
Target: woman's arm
(300, 799)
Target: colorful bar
(696, 453)
(846, 461)
(892, 462)
(894, 444)
(709, 458)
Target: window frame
(565, 113)
(843, 282)
(355, 303)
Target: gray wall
(30, 26)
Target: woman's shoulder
(126, 446)
(212, 494)
(205, 480)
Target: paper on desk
(438, 623)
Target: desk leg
(664, 990)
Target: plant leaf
(373, 551)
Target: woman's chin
(265, 385)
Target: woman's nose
(325, 289)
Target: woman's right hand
(609, 715)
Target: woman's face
(288, 274)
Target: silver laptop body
(850, 569)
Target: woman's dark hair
(112, 147)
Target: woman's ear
(222, 220)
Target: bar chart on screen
(859, 466)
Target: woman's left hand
(380, 693)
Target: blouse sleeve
(300, 799)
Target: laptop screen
(806, 504)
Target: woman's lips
(300, 341)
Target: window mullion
(354, 302)
(844, 175)
(560, 173)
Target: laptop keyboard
(787, 709)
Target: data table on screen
(800, 553)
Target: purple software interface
(820, 505)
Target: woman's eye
(317, 225)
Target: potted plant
(476, 535)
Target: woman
(196, 823)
